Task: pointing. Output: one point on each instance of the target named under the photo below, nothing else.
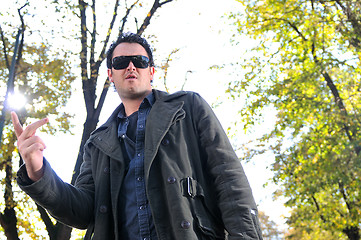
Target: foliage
(37, 78)
(306, 65)
(44, 80)
(269, 227)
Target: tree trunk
(353, 233)
(89, 81)
(89, 126)
(8, 219)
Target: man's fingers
(29, 130)
(16, 123)
(34, 143)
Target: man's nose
(131, 66)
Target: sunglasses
(122, 62)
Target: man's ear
(110, 74)
(152, 71)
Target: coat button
(171, 180)
(106, 170)
(165, 142)
(103, 209)
(185, 224)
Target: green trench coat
(195, 184)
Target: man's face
(131, 82)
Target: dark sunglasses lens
(140, 61)
(122, 62)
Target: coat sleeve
(234, 195)
(70, 205)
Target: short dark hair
(129, 38)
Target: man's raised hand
(30, 146)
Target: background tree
(270, 230)
(44, 80)
(91, 59)
(93, 53)
(306, 68)
(94, 41)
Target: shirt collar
(148, 101)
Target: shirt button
(185, 224)
(123, 136)
(171, 180)
(103, 209)
(138, 154)
(142, 207)
(141, 126)
(139, 179)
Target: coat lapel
(105, 138)
(160, 118)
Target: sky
(202, 33)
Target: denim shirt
(135, 215)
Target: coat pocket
(209, 226)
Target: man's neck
(131, 106)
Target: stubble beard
(132, 94)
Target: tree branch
(110, 28)
(93, 37)
(4, 47)
(165, 67)
(344, 196)
(47, 221)
(340, 105)
(296, 29)
(318, 208)
(338, 100)
(356, 23)
(102, 97)
(165, 2)
(21, 45)
(146, 21)
(124, 20)
(88, 89)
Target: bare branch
(146, 21)
(186, 78)
(124, 20)
(110, 28)
(4, 47)
(46, 219)
(165, 67)
(22, 29)
(93, 36)
(165, 2)
(102, 97)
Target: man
(161, 167)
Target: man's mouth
(131, 76)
